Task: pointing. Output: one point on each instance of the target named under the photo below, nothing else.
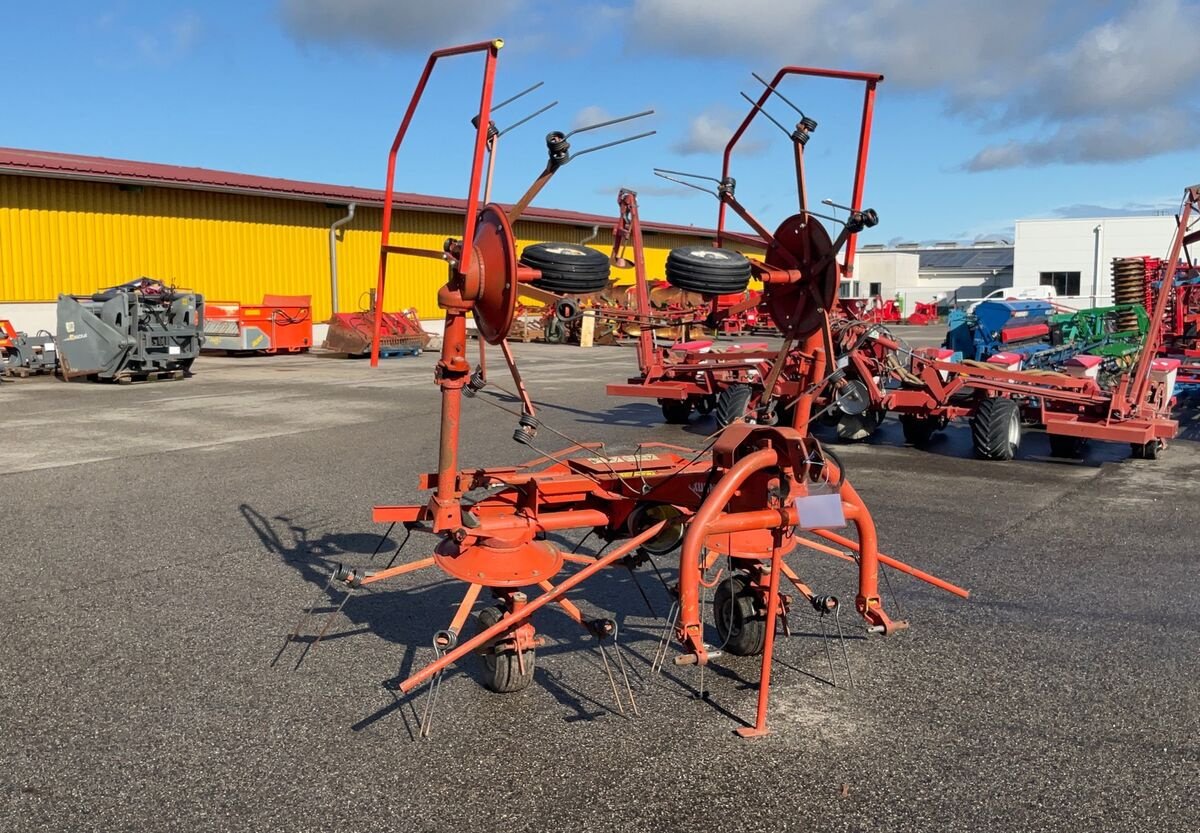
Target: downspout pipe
(333, 272)
(1098, 231)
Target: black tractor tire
(740, 617)
(501, 668)
(567, 268)
(918, 430)
(732, 404)
(996, 429)
(676, 411)
(707, 270)
(1069, 448)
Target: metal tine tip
(613, 144)
(664, 175)
(771, 89)
(685, 173)
(617, 120)
(762, 110)
(524, 92)
(532, 115)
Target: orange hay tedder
(734, 510)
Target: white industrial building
(946, 272)
(1074, 256)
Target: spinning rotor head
(797, 306)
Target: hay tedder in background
(280, 324)
(731, 511)
(139, 330)
(399, 333)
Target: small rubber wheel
(856, 428)
(1070, 448)
(732, 404)
(918, 430)
(554, 332)
(503, 671)
(1149, 451)
(567, 268)
(676, 411)
(740, 618)
(996, 429)
(707, 270)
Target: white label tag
(820, 512)
(173, 350)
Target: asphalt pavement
(160, 541)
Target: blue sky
(990, 111)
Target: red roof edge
(97, 168)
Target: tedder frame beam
(492, 50)
(870, 80)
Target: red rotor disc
(792, 304)
(496, 263)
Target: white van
(1017, 293)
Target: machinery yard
(342, 508)
(141, 695)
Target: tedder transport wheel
(567, 268)
(1149, 451)
(501, 667)
(707, 270)
(858, 427)
(732, 403)
(918, 430)
(996, 429)
(676, 411)
(1063, 446)
(741, 621)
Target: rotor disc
(496, 262)
(791, 304)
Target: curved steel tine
(511, 99)
(608, 123)
(612, 144)
(662, 175)
(763, 110)
(776, 92)
(531, 116)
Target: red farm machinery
(731, 511)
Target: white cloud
(592, 114)
(710, 131)
(393, 24)
(1095, 83)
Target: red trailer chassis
(748, 498)
(1134, 408)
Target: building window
(844, 289)
(1064, 283)
(876, 289)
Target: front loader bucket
(87, 345)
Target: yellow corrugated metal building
(73, 224)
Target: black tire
(501, 668)
(732, 403)
(567, 268)
(676, 411)
(918, 430)
(856, 429)
(741, 620)
(1070, 448)
(1149, 451)
(707, 270)
(996, 429)
(555, 332)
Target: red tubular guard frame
(871, 80)
(492, 48)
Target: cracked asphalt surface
(160, 540)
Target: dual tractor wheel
(567, 268)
